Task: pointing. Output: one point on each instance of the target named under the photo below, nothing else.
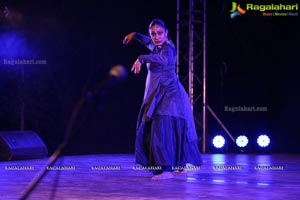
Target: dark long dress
(166, 134)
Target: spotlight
(263, 140)
(218, 141)
(242, 141)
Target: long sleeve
(145, 40)
(163, 56)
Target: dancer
(166, 136)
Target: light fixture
(241, 141)
(263, 140)
(218, 141)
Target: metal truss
(191, 61)
(191, 41)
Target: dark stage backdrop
(252, 61)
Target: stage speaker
(16, 145)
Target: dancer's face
(158, 34)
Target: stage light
(218, 141)
(13, 47)
(242, 141)
(263, 140)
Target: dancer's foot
(164, 175)
(180, 172)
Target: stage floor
(113, 177)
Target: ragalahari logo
(236, 10)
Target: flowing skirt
(163, 141)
